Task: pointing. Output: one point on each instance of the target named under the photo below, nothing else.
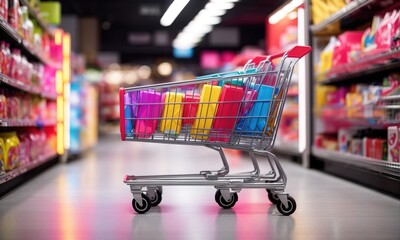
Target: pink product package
(25, 146)
(388, 29)
(148, 112)
(349, 44)
(394, 144)
(48, 83)
(250, 97)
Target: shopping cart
(236, 110)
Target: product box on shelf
(11, 150)
(348, 48)
(2, 156)
(3, 104)
(13, 15)
(380, 149)
(368, 150)
(394, 144)
(4, 9)
(344, 139)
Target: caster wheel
(223, 203)
(286, 211)
(145, 207)
(156, 198)
(273, 197)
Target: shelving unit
(12, 36)
(27, 167)
(33, 13)
(26, 88)
(368, 69)
(389, 168)
(346, 11)
(370, 65)
(33, 128)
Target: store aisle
(86, 199)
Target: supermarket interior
(199, 119)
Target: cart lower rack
(236, 110)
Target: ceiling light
(212, 12)
(144, 72)
(225, 1)
(173, 11)
(219, 5)
(284, 11)
(164, 69)
(207, 20)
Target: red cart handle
(295, 52)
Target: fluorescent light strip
(173, 11)
(284, 11)
(203, 23)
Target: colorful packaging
(255, 121)
(368, 149)
(251, 96)
(24, 147)
(4, 9)
(227, 113)
(13, 6)
(171, 121)
(347, 48)
(326, 56)
(129, 117)
(387, 30)
(380, 149)
(11, 156)
(190, 106)
(206, 111)
(148, 111)
(2, 156)
(344, 139)
(393, 144)
(3, 104)
(357, 146)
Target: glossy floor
(86, 199)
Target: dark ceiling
(117, 18)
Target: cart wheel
(286, 211)
(145, 207)
(223, 203)
(156, 198)
(273, 197)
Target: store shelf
(353, 121)
(391, 168)
(12, 36)
(26, 87)
(346, 11)
(26, 123)
(27, 167)
(368, 65)
(35, 15)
